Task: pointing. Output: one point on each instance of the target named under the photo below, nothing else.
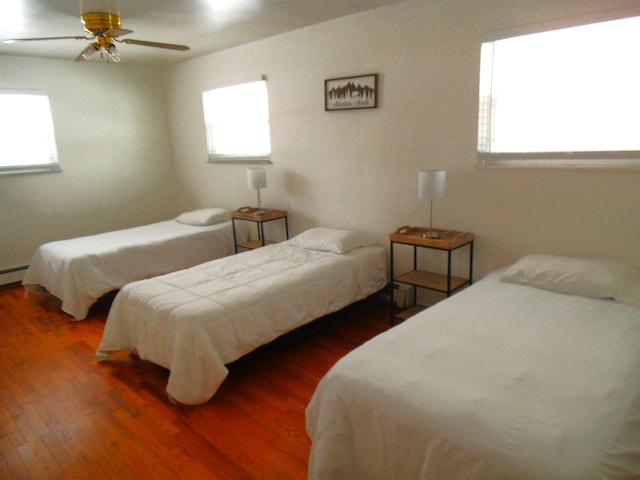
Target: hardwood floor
(63, 415)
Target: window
(27, 141)
(237, 122)
(563, 97)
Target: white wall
(358, 169)
(131, 155)
(113, 144)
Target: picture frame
(350, 93)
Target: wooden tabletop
(251, 213)
(448, 239)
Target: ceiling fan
(105, 30)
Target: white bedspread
(500, 381)
(80, 270)
(195, 321)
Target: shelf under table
(433, 281)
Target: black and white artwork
(351, 92)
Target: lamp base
(259, 211)
(431, 234)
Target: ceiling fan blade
(116, 32)
(12, 40)
(170, 46)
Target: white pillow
(332, 240)
(204, 216)
(587, 277)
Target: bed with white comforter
(81, 270)
(195, 321)
(501, 381)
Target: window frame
(239, 158)
(555, 159)
(53, 165)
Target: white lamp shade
(256, 177)
(431, 184)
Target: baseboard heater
(12, 276)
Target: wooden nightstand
(250, 214)
(449, 241)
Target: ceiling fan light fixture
(111, 54)
(88, 52)
(106, 50)
(104, 23)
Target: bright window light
(27, 140)
(567, 96)
(12, 16)
(237, 123)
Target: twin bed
(196, 321)
(81, 270)
(531, 373)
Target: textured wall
(113, 144)
(133, 149)
(358, 169)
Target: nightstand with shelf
(418, 237)
(259, 217)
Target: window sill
(226, 160)
(30, 169)
(562, 160)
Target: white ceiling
(204, 25)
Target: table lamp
(431, 187)
(257, 179)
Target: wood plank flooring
(63, 415)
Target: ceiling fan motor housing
(98, 23)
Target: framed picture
(349, 93)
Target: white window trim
(240, 159)
(584, 159)
(49, 168)
(618, 159)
